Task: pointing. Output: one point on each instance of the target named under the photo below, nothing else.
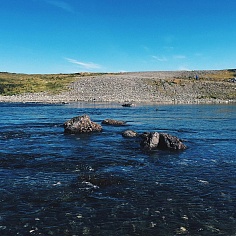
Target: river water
(53, 183)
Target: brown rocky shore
(143, 87)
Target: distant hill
(157, 86)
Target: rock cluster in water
(149, 140)
(155, 140)
(81, 124)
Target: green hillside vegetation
(221, 75)
(12, 83)
(211, 75)
(210, 84)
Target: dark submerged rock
(167, 141)
(128, 104)
(113, 122)
(129, 134)
(81, 124)
(164, 141)
(150, 140)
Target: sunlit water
(104, 184)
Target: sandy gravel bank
(157, 87)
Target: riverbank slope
(215, 86)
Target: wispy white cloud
(179, 56)
(168, 39)
(60, 4)
(168, 48)
(86, 65)
(197, 54)
(145, 48)
(162, 59)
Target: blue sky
(67, 36)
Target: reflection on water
(103, 184)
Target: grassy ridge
(221, 75)
(12, 83)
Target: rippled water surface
(104, 184)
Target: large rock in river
(81, 124)
(155, 140)
(150, 140)
(167, 141)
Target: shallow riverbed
(104, 184)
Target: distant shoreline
(52, 99)
(176, 87)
